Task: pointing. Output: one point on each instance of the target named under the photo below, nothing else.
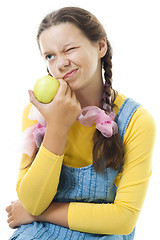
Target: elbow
(128, 230)
(124, 229)
(35, 208)
(34, 212)
(128, 225)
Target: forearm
(117, 218)
(55, 140)
(37, 186)
(56, 213)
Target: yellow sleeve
(37, 184)
(120, 217)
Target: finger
(34, 100)
(8, 209)
(9, 214)
(62, 88)
(10, 219)
(74, 97)
(12, 225)
(69, 91)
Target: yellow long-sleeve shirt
(37, 184)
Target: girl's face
(71, 56)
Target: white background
(133, 30)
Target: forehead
(60, 35)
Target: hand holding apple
(62, 112)
(46, 88)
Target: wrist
(56, 213)
(55, 140)
(58, 131)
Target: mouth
(70, 74)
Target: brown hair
(107, 152)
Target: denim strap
(124, 115)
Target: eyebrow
(46, 53)
(66, 45)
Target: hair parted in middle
(107, 152)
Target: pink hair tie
(104, 122)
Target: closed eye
(70, 49)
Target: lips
(70, 74)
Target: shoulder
(143, 118)
(26, 109)
(26, 122)
(141, 129)
(141, 122)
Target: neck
(91, 96)
(95, 97)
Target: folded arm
(37, 184)
(121, 216)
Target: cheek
(89, 65)
(76, 59)
(82, 61)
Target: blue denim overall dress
(82, 185)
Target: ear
(102, 47)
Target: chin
(73, 85)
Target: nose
(62, 62)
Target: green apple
(46, 88)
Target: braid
(107, 152)
(48, 72)
(107, 66)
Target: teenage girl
(88, 177)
